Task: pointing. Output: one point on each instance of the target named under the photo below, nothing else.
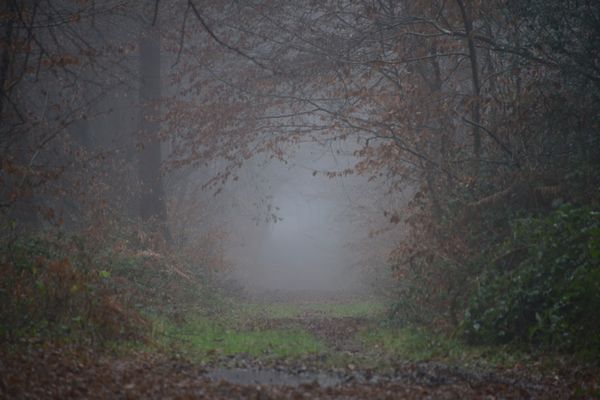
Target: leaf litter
(53, 371)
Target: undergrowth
(419, 344)
(92, 286)
(548, 295)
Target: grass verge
(366, 308)
(417, 344)
(204, 337)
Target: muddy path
(75, 373)
(349, 370)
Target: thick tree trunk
(476, 86)
(5, 59)
(152, 198)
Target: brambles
(548, 295)
(89, 287)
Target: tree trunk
(5, 59)
(152, 198)
(476, 86)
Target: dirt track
(67, 372)
(75, 373)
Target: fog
(248, 169)
(174, 172)
(304, 244)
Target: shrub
(545, 290)
(93, 285)
(48, 288)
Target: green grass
(227, 333)
(266, 311)
(204, 336)
(411, 344)
(235, 331)
(419, 344)
(370, 309)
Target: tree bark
(476, 86)
(6, 54)
(152, 198)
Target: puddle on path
(270, 377)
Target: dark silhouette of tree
(152, 197)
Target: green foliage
(550, 293)
(437, 263)
(48, 288)
(91, 286)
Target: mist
(345, 198)
(305, 245)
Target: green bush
(546, 289)
(90, 285)
(48, 288)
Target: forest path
(345, 366)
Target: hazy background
(294, 228)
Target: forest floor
(271, 348)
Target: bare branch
(220, 41)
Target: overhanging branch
(220, 41)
